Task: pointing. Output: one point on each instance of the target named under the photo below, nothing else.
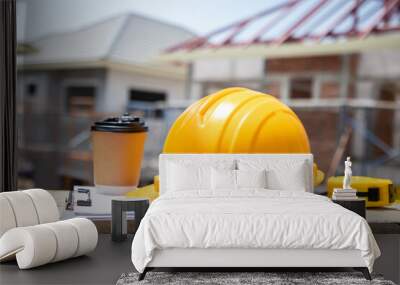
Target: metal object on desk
(88, 201)
(355, 205)
(119, 207)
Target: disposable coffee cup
(118, 145)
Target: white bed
(250, 227)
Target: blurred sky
(37, 18)
(48, 16)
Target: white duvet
(250, 219)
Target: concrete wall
(33, 102)
(226, 69)
(44, 126)
(112, 88)
(52, 85)
(377, 69)
(210, 75)
(118, 84)
(322, 130)
(47, 128)
(380, 64)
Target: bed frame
(241, 259)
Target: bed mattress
(250, 219)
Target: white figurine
(347, 174)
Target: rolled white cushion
(7, 218)
(26, 208)
(66, 238)
(37, 245)
(33, 246)
(23, 208)
(87, 235)
(46, 207)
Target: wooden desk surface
(383, 215)
(388, 215)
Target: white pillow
(251, 178)
(228, 179)
(281, 174)
(184, 174)
(182, 177)
(293, 180)
(223, 179)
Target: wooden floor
(103, 266)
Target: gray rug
(228, 278)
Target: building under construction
(336, 63)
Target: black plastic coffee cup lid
(123, 124)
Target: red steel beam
(301, 21)
(386, 10)
(387, 17)
(339, 20)
(239, 26)
(353, 34)
(310, 37)
(235, 32)
(187, 43)
(354, 15)
(272, 22)
(205, 38)
(325, 16)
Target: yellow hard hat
(237, 120)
